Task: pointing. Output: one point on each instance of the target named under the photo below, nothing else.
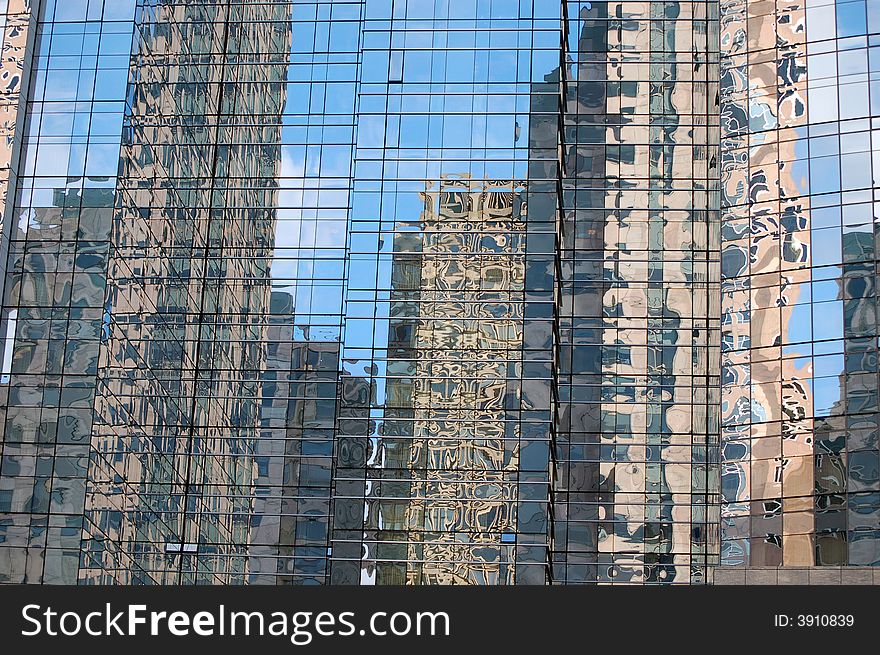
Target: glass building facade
(637, 446)
(800, 113)
(499, 292)
(442, 464)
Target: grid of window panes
(56, 268)
(17, 29)
(170, 492)
(801, 119)
(288, 299)
(442, 454)
(289, 538)
(179, 342)
(637, 441)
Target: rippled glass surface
(442, 472)
(801, 469)
(636, 498)
(433, 292)
(56, 276)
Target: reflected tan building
(456, 481)
(457, 312)
(139, 273)
(637, 446)
(800, 461)
(169, 494)
(767, 401)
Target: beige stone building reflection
(169, 492)
(658, 416)
(457, 333)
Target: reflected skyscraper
(176, 408)
(456, 323)
(431, 292)
(637, 448)
(442, 464)
(801, 468)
